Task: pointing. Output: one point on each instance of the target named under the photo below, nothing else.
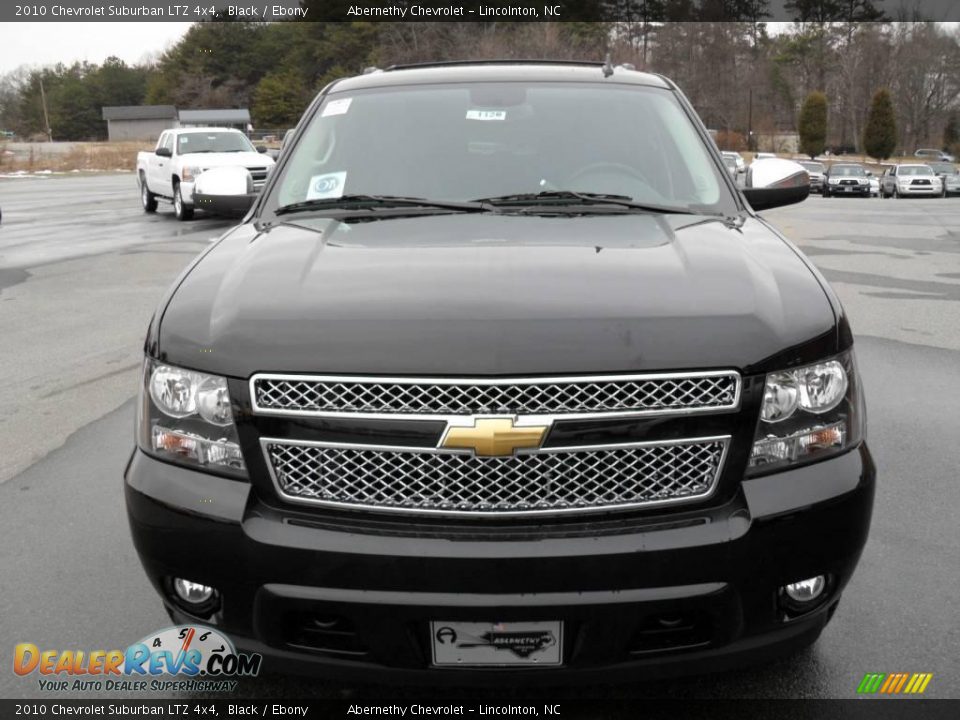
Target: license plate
(469, 644)
(848, 189)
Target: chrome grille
(548, 481)
(634, 394)
(259, 175)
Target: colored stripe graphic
(894, 683)
(870, 683)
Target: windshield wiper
(567, 197)
(348, 201)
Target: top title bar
(483, 11)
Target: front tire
(147, 198)
(181, 210)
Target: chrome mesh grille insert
(570, 479)
(559, 396)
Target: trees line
(741, 76)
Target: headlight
(834, 181)
(191, 172)
(187, 417)
(808, 413)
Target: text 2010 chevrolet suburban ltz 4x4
(502, 379)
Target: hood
(484, 294)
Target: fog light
(807, 590)
(191, 592)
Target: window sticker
(325, 186)
(486, 114)
(336, 107)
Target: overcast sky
(48, 43)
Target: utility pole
(46, 117)
(750, 121)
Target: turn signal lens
(800, 446)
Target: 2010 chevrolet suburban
(503, 379)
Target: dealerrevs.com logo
(203, 658)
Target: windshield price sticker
(486, 114)
(325, 186)
(336, 107)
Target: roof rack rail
(506, 61)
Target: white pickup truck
(235, 171)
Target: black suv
(503, 380)
(846, 179)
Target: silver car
(951, 184)
(910, 180)
(934, 154)
(737, 158)
(815, 170)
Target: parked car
(183, 154)
(474, 395)
(934, 154)
(815, 170)
(846, 179)
(737, 158)
(907, 180)
(731, 165)
(951, 183)
(943, 170)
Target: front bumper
(719, 570)
(848, 189)
(186, 191)
(224, 204)
(925, 190)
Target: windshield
(196, 142)
(945, 168)
(813, 166)
(914, 170)
(847, 171)
(478, 141)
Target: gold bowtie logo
(493, 437)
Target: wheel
(181, 209)
(147, 198)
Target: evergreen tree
(880, 131)
(951, 134)
(279, 100)
(813, 124)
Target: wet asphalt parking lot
(82, 268)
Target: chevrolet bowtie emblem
(493, 437)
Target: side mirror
(261, 148)
(164, 152)
(774, 182)
(869, 173)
